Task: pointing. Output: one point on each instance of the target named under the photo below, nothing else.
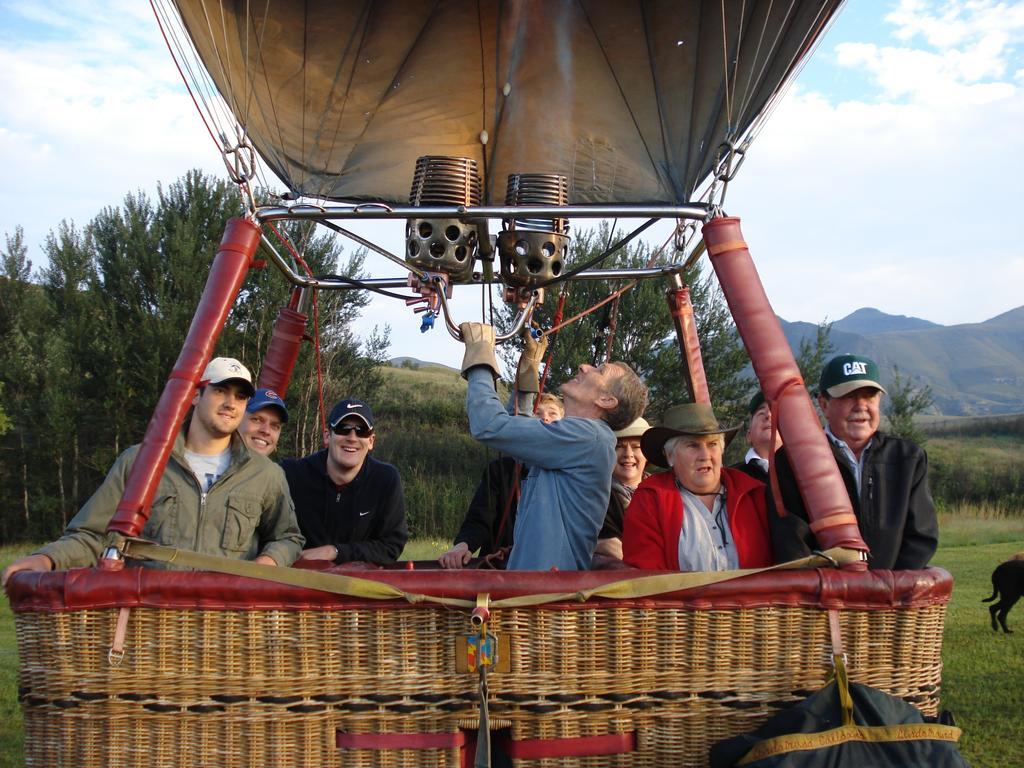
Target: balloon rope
(551, 350)
(725, 70)
(316, 325)
(184, 79)
(557, 326)
(613, 320)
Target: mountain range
(973, 369)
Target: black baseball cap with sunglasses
(347, 408)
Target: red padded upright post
(821, 485)
(279, 362)
(233, 259)
(678, 297)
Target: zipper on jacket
(199, 520)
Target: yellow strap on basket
(338, 584)
(648, 586)
(793, 742)
(334, 583)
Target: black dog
(1007, 584)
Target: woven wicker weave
(274, 687)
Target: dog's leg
(1002, 620)
(992, 610)
(1004, 608)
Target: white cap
(222, 369)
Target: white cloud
(93, 109)
(908, 200)
(949, 24)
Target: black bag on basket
(844, 726)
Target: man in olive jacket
(215, 495)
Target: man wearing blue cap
(886, 477)
(261, 426)
(350, 506)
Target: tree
(5, 422)
(905, 402)
(25, 320)
(86, 345)
(812, 354)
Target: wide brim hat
(686, 419)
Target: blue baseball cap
(267, 398)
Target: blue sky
(890, 176)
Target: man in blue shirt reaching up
(564, 497)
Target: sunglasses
(348, 429)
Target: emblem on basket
(481, 651)
(477, 650)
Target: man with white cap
(350, 506)
(215, 495)
(886, 477)
(265, 415)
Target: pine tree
(906, 401)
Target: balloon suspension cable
(286, 241)
(188, 86)
(239, 157)
(373, 247)
(730, 156)
(558, 324)
(600, 257)
(613, 317)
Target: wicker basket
(223, 671)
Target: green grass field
(983, 677)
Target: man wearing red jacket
(698, 516)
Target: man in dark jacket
(350, 506)
(886, 477)
(759, 438)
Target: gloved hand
(528, 373)
(479, 341)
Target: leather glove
(479, 341)
(528, 373)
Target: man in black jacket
(350, 507)
(886, 477)
(759, 438)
